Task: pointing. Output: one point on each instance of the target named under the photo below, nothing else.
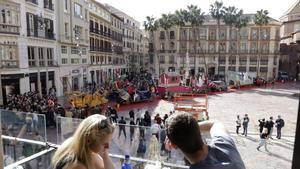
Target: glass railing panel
(24, 125)
(14, 150)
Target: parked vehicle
(240, 78)
(283, 75)
(124, 98)
(218, 86)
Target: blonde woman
(88, 147)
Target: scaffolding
(196, 104)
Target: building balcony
(33, 1)
(9, 29)
(99, 32)
(129, 37)
(41, 34)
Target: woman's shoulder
(76, 166)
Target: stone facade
(196, 50)
(290, 42)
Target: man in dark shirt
(131, 128)
(131, 114)
(113, 114)
(147, 119)
(245, 124)
(269, 126)
(122, 124)
(262, 124)
(184, 133)
(279, 124)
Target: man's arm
(213, 127)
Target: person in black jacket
(279, 123)
(147, 119)
(262, 124)
(269, 125)
(122, 124)
(245, 124)
(131, 128)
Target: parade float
(196, 104)
(171, 83)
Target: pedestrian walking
(155, 129)
(162, 136)
(131, 128)
(122, 124)
(147, 119)
(141, 123)
(238, 124)
(270, 126)
(113, 114)
(141, 148)
(279, 123)
(261, 125)
(245, 125)
(131, 114)
(263, 139)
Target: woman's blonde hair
(76, 149)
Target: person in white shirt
(155, 128)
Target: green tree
(229, 18)
(195, 18)
(216, 11)
(261, 19)
(180, 19)
(166, 22)
(151, 25)
(240, 22)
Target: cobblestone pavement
(257, 103)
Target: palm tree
(261, 18)
(229, 17)
(195, 18)
(240, 22)
(151, 25)
(166, 22)
(216, 11)
(180, 19)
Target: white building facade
(27, 46)
(72, 17)
(247, 50)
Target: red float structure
(196, 104)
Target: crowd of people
(266, 128)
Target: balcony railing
(9, 29)
(33, 1)
(98, 49)
(99, 32)
(41, 34)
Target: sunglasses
(104, 124)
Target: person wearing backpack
(279, 123)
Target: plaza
(258, 103)
(132, 63)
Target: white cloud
(139, 9)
